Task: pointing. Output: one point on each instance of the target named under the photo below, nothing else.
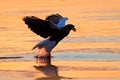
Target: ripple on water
(70, 56)
(85, 56)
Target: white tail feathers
(49, 45)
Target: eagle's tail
(49, 45)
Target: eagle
(53, 29)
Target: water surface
(69, 56)
(97, 21)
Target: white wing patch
(61, 22)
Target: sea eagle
(53, 29)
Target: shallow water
(93, 39)
(70, 56)
(85, 56)
(95, 20)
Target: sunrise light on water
(98, 32)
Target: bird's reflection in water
(49, 70)
(49, 78)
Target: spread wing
(40, 27)
(57, 20)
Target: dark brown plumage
(59, 35)
(53, 28)
(39, 26)
(44, 29)
(55, 18)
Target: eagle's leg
(43, 57)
